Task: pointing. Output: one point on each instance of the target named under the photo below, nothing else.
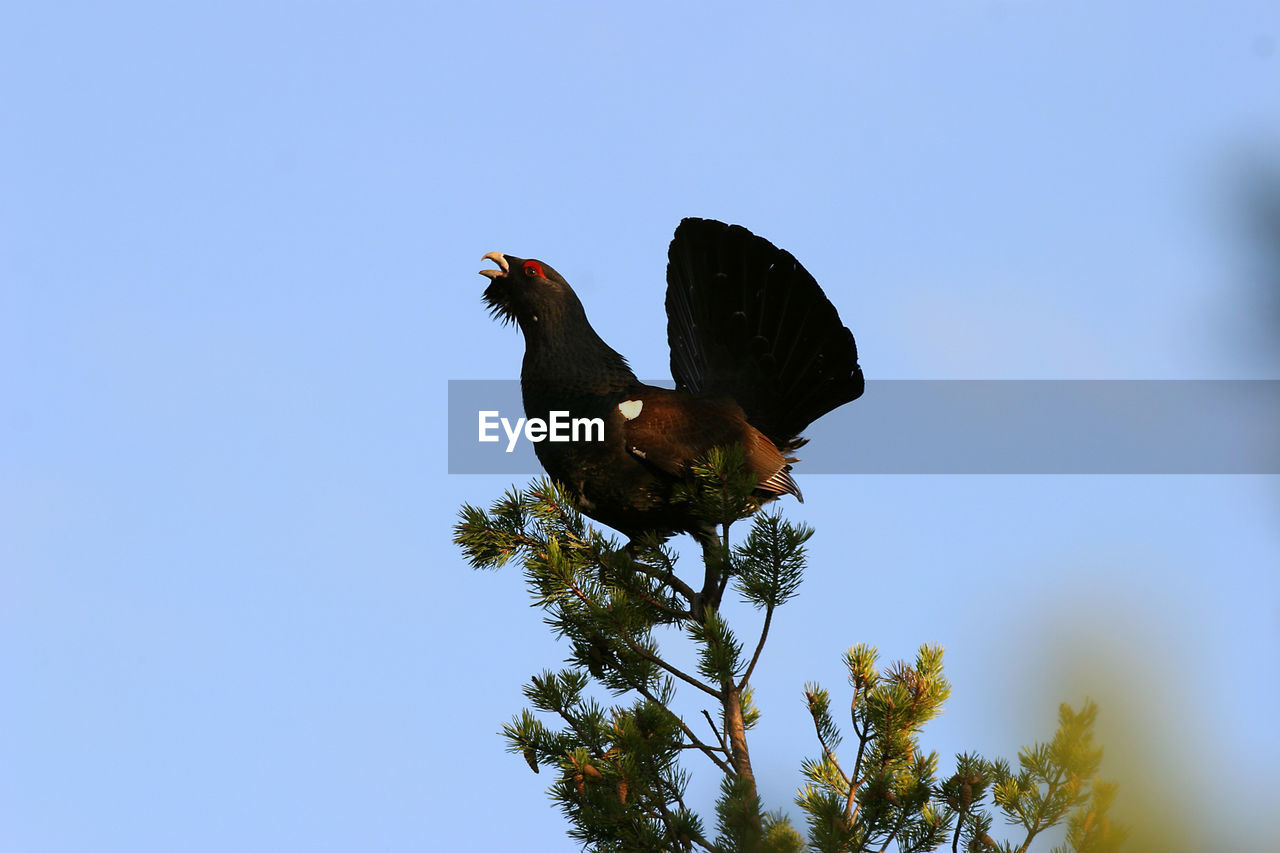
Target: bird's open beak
(499, 259)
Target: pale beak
(499, 259)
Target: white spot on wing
(631, 408)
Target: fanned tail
(746, 320)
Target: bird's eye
(532, 268)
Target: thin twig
(715, 731)
(669, 577)
(764, 633)
(828, 752)
(709, 751)
(676, 614)
(864, 735)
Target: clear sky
(238, 254)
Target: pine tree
(619, 771)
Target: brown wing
(671, 429)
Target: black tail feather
(746, 320)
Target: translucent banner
(956, 427)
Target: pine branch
(621, 782)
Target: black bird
(758, 353)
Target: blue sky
(238, 254)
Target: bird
(758, 352)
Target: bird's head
(525, 291)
